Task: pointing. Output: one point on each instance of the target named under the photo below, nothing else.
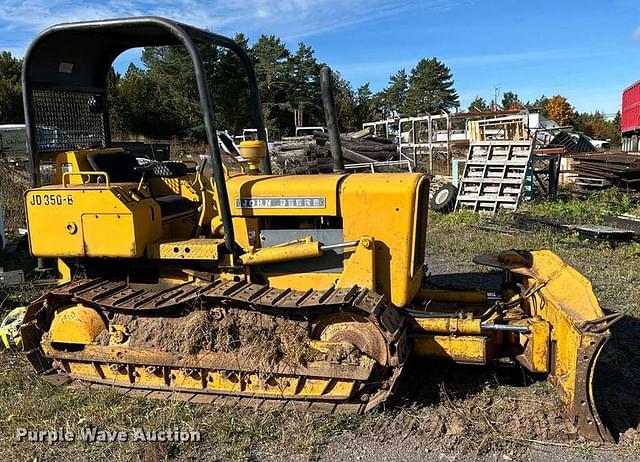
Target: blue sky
(586, 50)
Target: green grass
(227, 434)
(613, 271)
(592, 209)
(464, 412)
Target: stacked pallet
(603, 170)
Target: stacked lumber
(601, 170)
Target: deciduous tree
(559, 110)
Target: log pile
(602, 170)
(298, 155)
(312, 154)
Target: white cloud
(286, 18)
(636, 34)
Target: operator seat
(121, 168)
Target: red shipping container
(631, 109)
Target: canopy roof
(80, 54)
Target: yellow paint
(452, 326)
(77, 219)
(382, 207)
(185, 249)
(89, 220)
(225, 382)
(253, 151)
(64, 271)
(278, 187)
(244, 228)
(536, 344)
(461, 349)
(302, 281)
(214, 381)
(75, 161)
(360, 267)
(305, 248)
(452, 296)
(77, 324)
(565, 300)
(86, 178)
(180, 186)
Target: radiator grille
(66, 120)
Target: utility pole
(496, 90)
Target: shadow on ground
(473, 280)
(424, 381)
(617, 378)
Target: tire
(444, 199)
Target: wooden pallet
(494, 175)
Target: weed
(592, 209)
(13, 184)
(474, 413)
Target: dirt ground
(440, 412)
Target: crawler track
(330, 384)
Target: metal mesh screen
(67, 120)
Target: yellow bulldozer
(242, 287)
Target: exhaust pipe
(332, 119)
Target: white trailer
(13, 142)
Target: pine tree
(143, 107)
(10, 90)
(365, 106)
(345, 103)
(232, 98)
(168, 74)
(304, 93)
(271, 63)
(391, 99)
(540, 104)
(510, 101)
(431, 89)
(479, 104)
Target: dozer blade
(226, 342)
(556, 293)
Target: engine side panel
(389, 208)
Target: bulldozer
(240, 287)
